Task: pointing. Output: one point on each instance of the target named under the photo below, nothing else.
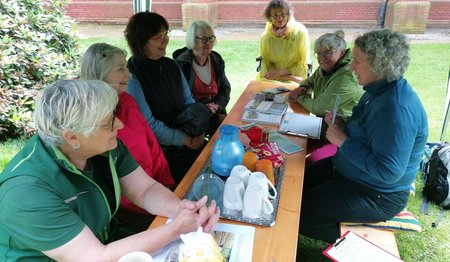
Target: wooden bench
(382, 238)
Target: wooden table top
(279, 242)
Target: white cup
(242, 172)
(260, 178)
(137, 256)
(256, 203)
(233, 193)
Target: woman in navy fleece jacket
(380, 145)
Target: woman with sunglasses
(284, 45)
(204, 70)
(162, 93)
(60, 193)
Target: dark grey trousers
(329, 198)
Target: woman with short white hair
(59, 194)
(204, 70)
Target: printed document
(301, 125)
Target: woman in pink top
(108, 63)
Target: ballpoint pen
(335, 108)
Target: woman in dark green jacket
(60, 194)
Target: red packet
(270, 151)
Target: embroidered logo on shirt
(70, 199)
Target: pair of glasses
(113, 120)
(327, 53)
(278, 16)
(160, 36)
(207, 39)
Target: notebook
(301, 125)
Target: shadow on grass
(310, 250)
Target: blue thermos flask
(227, 151)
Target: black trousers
(329, 198)
(180, 159)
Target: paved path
(108, 30)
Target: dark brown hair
(141, 27)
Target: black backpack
(437, 176)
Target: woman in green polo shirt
(59, 194)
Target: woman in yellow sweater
(284, 45)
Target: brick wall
(439, 15)
(340, 13)
(407, 16)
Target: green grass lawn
(427, 74)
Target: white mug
(256, 203)
(260, 178)
(137, 256)
(233, 193)
(242, 172)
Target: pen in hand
(335, 108)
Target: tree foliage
(38, 46)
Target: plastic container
(227, 151)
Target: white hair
(76, 105)
(191, 33)
(98, 60)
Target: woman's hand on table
(186, 221)
(206, 216)
(299, 91)
(272, 74)
(276, 74)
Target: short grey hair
(191, 33)
(331, 41)
(387, 53)
(76, 105)
(97, 61)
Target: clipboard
(301, 125)
(351, 247)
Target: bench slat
(382, 238)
